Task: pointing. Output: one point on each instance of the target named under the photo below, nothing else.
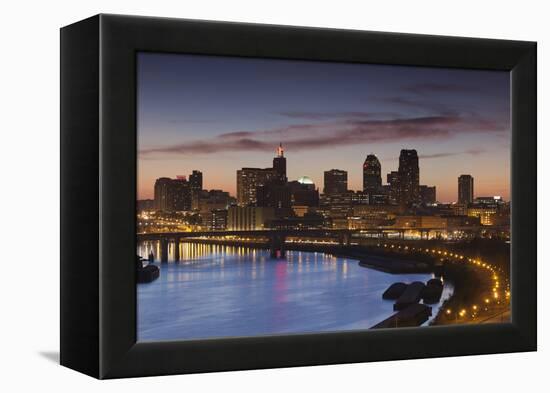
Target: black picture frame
(98, 192)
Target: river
(223, 291)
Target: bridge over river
(276, 238)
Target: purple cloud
(427, 88)
(337, 133)
(471, 152)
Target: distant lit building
(163, 198)
(460, 209)
(248, 218)
(214, 200)
(378, 198)
(462, 221)
(307, 221)
(436, 222)
(372, 178)
(427, 194)
(360, 198)
(368, 216)
(360, 223)
(279, 165)
(195, 182)
(267, 181)
(300, 210)
(172, 194)
(421, 222)
(216, 220)
(409, 177)
(465, 189)
(489, 201)
(274, 195)
(145, 205)
(486, 214)
(303, 192)
(340, 223)
(306, 182)
(490, 210)
(249, 179)
(393, 187)
(335, 182)
(336, 205)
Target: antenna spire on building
(280, 150)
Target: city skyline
(320, 188)
(186, 123)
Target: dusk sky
(219, 114)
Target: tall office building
(215, 220)
(337, 205)
(372, 178)
(249, 179)
(274, 195)
(303, 192)
(336, 182)
(409, 177)
(393, 187)
(465, 189)
(172, 194)
(427, 194)
(214, 200)
(182, 194)
(162, 186)
(195, 182)
(279, 165)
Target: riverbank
(392, 266)
(478, 294)
(481, 289)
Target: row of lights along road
(474, 308)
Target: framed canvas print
(239, 196)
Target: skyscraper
(172, 194)
(393, 185)
(195, 182)
(162, 186)
(303, 192)
(372, 178)
(248, 180)
(336, 182)
(427, 194)
(409, 177)
(279, 164)
(181, 194)
(269, 182)
(465, 189)
(274, 195)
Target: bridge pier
(177, 249)
(164, 250)
(277, 246)
(345, 239)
